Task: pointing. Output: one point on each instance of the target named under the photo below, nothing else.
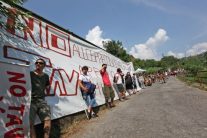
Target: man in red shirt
(107, 89)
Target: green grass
(194, 81)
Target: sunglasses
(41, 63)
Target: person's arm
(126, 77)
(103, 69)
(82, 86)
(116, 77)
(80, 83)
(47, 83)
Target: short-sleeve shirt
(84, 78)
(119, 80)
(105, 78)
(39, 84)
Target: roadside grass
(194, 81)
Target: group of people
(121, 86)
(40, 82)
(145, 79)
(124, 84)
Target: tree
(169, 61)
(12, 13)
(150, 63)
(116, 48)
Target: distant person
(141, 80)
(107, 89)
(161, 77)
(39, 82)
(87, 90)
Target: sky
(148, 29)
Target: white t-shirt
(85, 78)
(119, 81)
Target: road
(170, 110)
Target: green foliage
(12, 12)
(191, 64)
(150, 63)
(116, 49)
(153, 69)
(13, 2)
(193, 69)
(169, 61)
(194, 64)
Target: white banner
(15, 91)
(65, 54)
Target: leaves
(116, 48)
(191, 64)
(13, 13)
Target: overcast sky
(148, 29)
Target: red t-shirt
(105, 78)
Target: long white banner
(64, 53)
(15, 91)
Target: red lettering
(76, 49)
(96, 56)
(16, 77)
(14, 90)
(1, 20)
(63, 83)
(100, 58)
(1, 109)
(82, 52)
(7, 50)
(93, 58)
(58, 40)
(30, 29)
(21, 108)
(86, 53)
(54, 41)
(12, 133)
(13, 120)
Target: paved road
(170, 110)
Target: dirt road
(170, 110)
